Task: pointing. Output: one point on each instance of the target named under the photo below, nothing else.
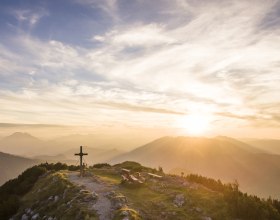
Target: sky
(180, 67)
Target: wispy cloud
(219, 58)
(29, 17)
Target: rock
(56, 198)
(111, 194)
(198, 209)
(206, 218)
(126, 218)
(64, 193)
(50, 198)
(179, 200)
(28, 210)
(35, 217)
(94, 195)
(119, 202)
(55, 179)
(50, 218)
(124, 213)
(24, 217)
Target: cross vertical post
(81, 154)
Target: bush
(241, 205)
(101, 165)
(12, 189)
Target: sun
(195, 124)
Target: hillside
(269, 145)
(222, 158)
(59, 149)
(11, 166)
(55, 192)
(95, 155)
(22, 144)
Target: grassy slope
(154, 200)
(56, 184)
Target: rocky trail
(103, 205)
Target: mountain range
(223, 158)
(256, 167)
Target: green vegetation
(46, 190)
(101, 165)
(133, 215)
(13, 190)
(135, 167)
(204, 196)
(55, 192)
(241, 205)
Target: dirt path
(103, 204)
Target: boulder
(35, 217)
(119, 202)
(56, 198)
(24, 217)
(124, 213)
(179, 200)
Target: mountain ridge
(222, 158)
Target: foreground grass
(154, 199)
(54, 196)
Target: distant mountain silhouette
(220, 157)
(21, 144)
(11, 166)
(95, 155)
(269, 145)
(59, 149)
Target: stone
(124, 213)
(56, 198)
(198, 209)
(94, 195)
(24, 217)
(119, 202)
(50, 218)
(35, 217)
(65, 193)
(206, 218)
(179, 200)
(50, 198)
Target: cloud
(209, 57)
(141, 35)
(28, 16)
(13, 125)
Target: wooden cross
(81, 154)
